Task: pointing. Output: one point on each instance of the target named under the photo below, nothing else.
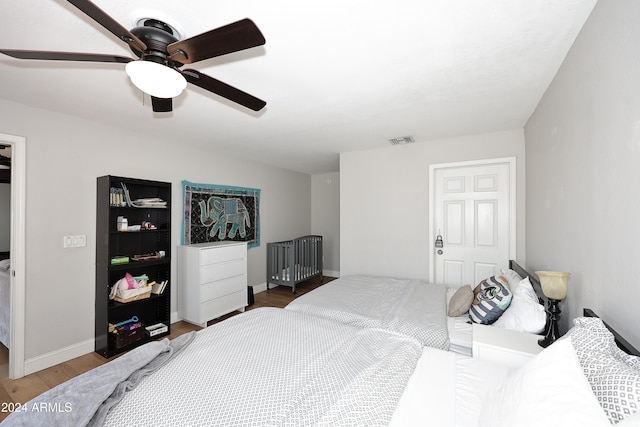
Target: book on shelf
(116, 197)
(119, 260)
(149, 256)
(154, 202)
(150, 202)
(158, 288)
(156, 329)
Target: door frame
(513, 229)
(18, 254)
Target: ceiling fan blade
(161, 105)
(102, 18)
(231, 38)
(64, 56)
(224, 90)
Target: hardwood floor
(26, 388)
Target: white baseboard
(62, 355)
(331, 273)
(261, 287)
(173, 317)
(65, 354)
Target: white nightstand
(504, 346)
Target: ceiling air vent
(401, 140)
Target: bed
(293, 261)
(271, 366)
(5, 301)
(417, 308)
(267, 366)
(561, 386)
(406, 306)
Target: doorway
(472, 220)
(17, 254)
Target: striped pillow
(492, 297)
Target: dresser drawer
(213, 255)
(213, 272)
(223, 305)
(213, 290)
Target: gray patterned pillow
(614, 375)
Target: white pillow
(630, 421)
(525, 313)
(513, 278)
(549, 390)
(5, 264)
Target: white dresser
(212, 280)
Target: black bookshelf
(113, 242)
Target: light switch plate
(75, 241)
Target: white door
(472, 220)
(18, 255)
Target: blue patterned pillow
(492, 297)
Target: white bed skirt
(454, 403)
(460, 335)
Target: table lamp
(554, 287)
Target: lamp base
(552, 332)
(545, 342)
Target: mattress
(410, 307)
(460, 329)
(286, 273)
(270, 366)
(447, 390)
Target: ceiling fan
(161, 55)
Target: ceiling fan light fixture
(156, 79)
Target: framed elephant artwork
(214, 213)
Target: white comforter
(273, 367)
(411, 307)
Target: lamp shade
(156, 79)
(554, 283)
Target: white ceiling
(337, 75)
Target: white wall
(64, 157)
(325, 218)
(5, 217)
(583, 170)
(384, 200)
